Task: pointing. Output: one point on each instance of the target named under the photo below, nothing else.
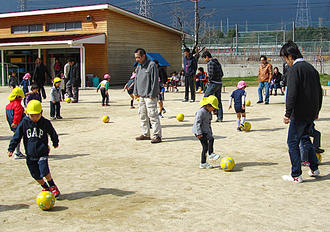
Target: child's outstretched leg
(205, 147)
(52, 186)
(19, 154)
(243, 119)
(132, 101)
(161, 107)
(238, 121)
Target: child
(104, 86)
(13, 80)
(239, 96)
(25, 83)
(203, 131)
(34, 94)
(15, 114)
(161, 99)
(55, 99)
(34, 130)
(130, 87)
(173, 81)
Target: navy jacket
(190, 66)
(35, 137)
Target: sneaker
(164, 111)
(214, 156)
(293, 179)
(266, 103)
(160, 115)
(205, 166)
(314, 173)
(319, 150)
(52, 118)
(19, 156)
(185, 100)
(107, 104)
(46, 189)
(59, 117)
(239, 129)
(142, 137)
(74, 101)
(156, 140)
(305, 163)
(132, 107)
(258, 102)
(55, 191)
(192, 101)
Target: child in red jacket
(15, 114)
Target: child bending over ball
(203, 131)
(104, 88)
(34, 130)
(239, 96)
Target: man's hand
(317, 117)
(56, 146)
(13, 125)
(286, 120)
(54, 102)
(243, 107)
(152, 98)
(10, 154)
(199, 136)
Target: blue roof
(159, 58)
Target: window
(67, 26)
(26, 28)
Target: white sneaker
(314, 173)
(52, 118)
(205, 165)
(19, 156)
(214, 156)
(293, 179)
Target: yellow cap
(212, 100)
(16, 92)
(57, 79)
(34, 107)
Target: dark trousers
(42, 92)
(298, 130)
(55, 109)
(316, 142)
(215, 89)
(105, 96)
(207, 144)
(189, 83)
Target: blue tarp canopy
(159, 58)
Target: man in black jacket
(74, 81)
(39, 77)
(190, 67)
(215, 75)
(303, 103)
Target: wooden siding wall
(96, 59)
(127, 34)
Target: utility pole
(284, 34)
(293, 30)
(227, 25)
(196, 22)
(21, 5)
(221, 28)
(236, 27)
(246, 26)
(303, 15)
(145, 8)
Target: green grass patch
(253, 80)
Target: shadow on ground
(5, 137)
(323, 119)
(178, 125)
(319, 178)
(96, 193)
(63, 157)
(240, 166)
(4, 208)
(268, 130)
(185, 138)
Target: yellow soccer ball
(247, 126)
(46, 200)
(227, 164)
(138, 99)
(319, 158)
(248, 103)
(180, 117)
(105, 118)
(68, 99)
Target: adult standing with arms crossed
(303, 103)
(214, 87)
(190, 67)
(265, 77)
(146, 88)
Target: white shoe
(52, 118)
(314, 173)
(293, 179)
(19, 156)
(214, 156)
(205, 165)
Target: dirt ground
(110, 182)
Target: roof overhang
(74, 40)
(91, 8)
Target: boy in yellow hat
(34, 130)
(55, 99)
(203, 131)
(15, 114)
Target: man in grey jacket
(146, 88)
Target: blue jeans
(266, 86)
(215, 89)
(297, 131)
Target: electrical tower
(21, 5)
(303, 16)
(145, 8)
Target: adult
(74, 81)
(57, 68)
(275, 83)
(65, 76)
(146, 88)
(215, 75)
(39, 77)
(303, 103)
(284, 77)
(190, 68)
(265, 77)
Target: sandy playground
(110, 182)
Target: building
(102, 38)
